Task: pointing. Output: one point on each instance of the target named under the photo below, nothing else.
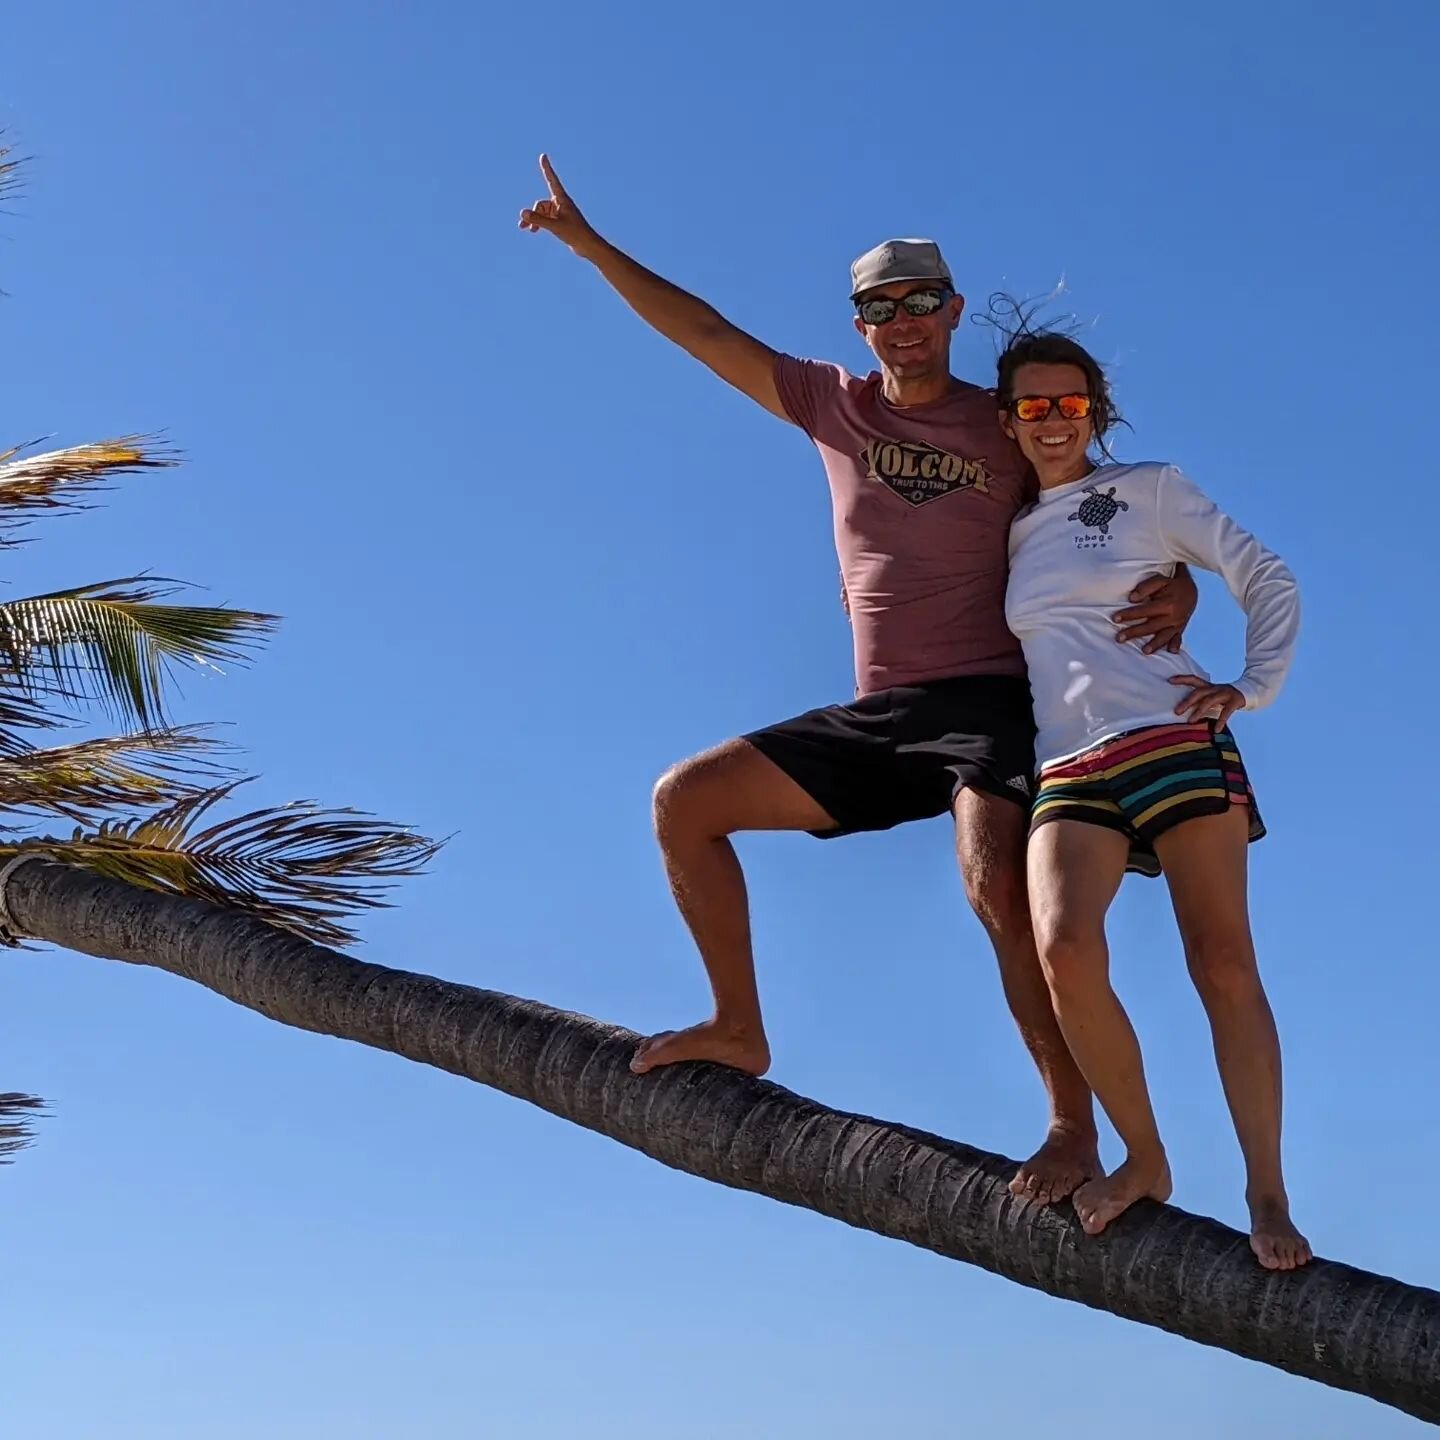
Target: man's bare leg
(1075, 870)
(990, 844)
(1205, 866)
(698, 806)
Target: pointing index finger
(557, 190)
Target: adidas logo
(1020, 783)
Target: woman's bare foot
(745, 1050)
(1140, 1177)
(1277, 1244)
(1067, 1158)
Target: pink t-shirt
(923, 499)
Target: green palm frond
(299, 867)
(62, 480)
(155, 767)
(16, 1113)
(112, 644)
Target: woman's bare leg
(1205, 866)
(1074, 871)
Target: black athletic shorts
(904, 754)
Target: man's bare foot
(744, 1050)
(1277, 1244)
(1101, 1201)
(1066, 1159)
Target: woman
(1124, 783)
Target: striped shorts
(1145, 783)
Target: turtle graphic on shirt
(1098, 509)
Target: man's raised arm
(693, 325)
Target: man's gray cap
(897, 260)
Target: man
(925, 486)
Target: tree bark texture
(1158, 1265)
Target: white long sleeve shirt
(1076, 554)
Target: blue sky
(529, 556)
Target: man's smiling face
(912, 347)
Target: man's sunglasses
(1033, 408)
(918, 303)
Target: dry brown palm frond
(16, 1114)
(111, 643)
(83, 779)
(298, 867)
(63, 480)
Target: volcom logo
(919, 473)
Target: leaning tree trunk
(1158, 1265)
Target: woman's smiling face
(1057, 448)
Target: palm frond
(113, 645)
(19, 711)
(155, 767)
(16, 1114)
(63, 480)
(9, 171)
(299, 867)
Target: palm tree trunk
(1159, 1265)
